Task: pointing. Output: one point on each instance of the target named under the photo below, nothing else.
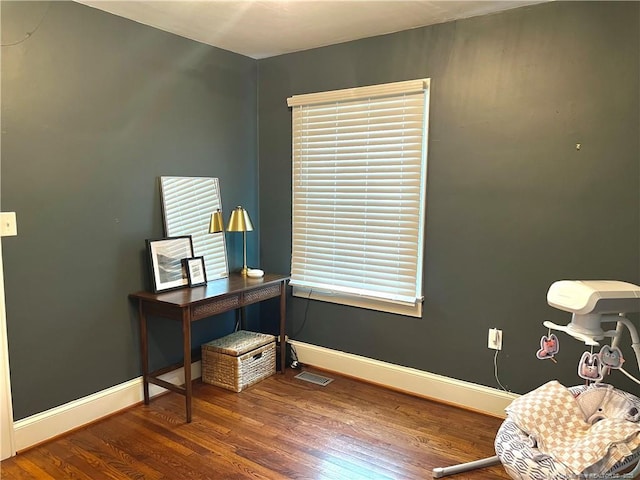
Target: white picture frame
(196, 271)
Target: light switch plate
(8, 225)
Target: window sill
(359, 302)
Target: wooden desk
(191, 304)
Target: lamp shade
(239, 221)
(217, 224)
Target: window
(359, 178)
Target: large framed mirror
(187, 205)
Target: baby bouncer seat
(563, 433)
(583, 432)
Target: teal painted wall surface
(512, 205)
(94, 109)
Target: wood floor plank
(161, 453)
(281, 428)
(261, 445)
(52, 464)
(23, 468)
(109, 457)
(213, 445)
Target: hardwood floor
(280, 428)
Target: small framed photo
(165, 259)
(196, 273)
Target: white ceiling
(265, 28)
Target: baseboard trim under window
(470, 396)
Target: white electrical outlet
(495, 339)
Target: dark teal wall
(94, 109)
(511, 204)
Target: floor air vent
(313, 378)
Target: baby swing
(588, 431)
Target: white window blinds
(359, 175)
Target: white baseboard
(417, 382)
(42, 426)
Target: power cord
(495, 370)
(295, 364)
(306, 313)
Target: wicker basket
(238, 360)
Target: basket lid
(239, 342)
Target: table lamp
(240, 222)
(216, 225)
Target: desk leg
(186, 336)
(144, 351)
(283, 336)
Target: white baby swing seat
(518, 450)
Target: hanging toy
(590, 367)
(549, 346)
(611, 357)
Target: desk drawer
(213, 308)
(260, 294)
